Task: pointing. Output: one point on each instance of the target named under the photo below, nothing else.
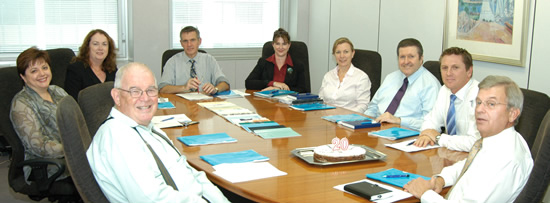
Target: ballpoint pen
(396, 176)
(411, 143)
(167, 119)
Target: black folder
(368, 190)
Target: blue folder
(359, 124)
(166, 105)
(311, 106)
(395, 133)
(205, 139)
(273, 93)
(234, 157)
(400, 181)
(345, 117)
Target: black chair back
(435, 68)
(76, 140)
(299, 53)
(369, 62)
(538, 181)
(96, 102)
(535, 106)
(59, 60)
(169, 53)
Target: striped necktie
(451, 117)
(193, 71)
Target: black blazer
(79, 77)
(262, 74)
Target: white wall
(540, 61)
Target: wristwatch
(437, 139)
(216, 90)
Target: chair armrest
(39, 172)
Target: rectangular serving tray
(306, 154)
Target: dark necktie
(397, 98)
(193, 71)
(451, 120)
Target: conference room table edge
(195, 112)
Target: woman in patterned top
(33, 109)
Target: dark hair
(29, 57)
(342, 40)
(411, 42)
(109, 63)
(466, 56)
(188, 29)
(282, 33)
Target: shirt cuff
(270, 83)
(431, 196)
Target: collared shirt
(127, 172)
(466, 133)
(417, 101)
(498, 172)
(352, 93)
(279, 74)
(34, 121)
(177, 70)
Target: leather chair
(435, 68)
(41, 186)
(369, 62)
(59, 60)
(169, 53)
(298, 52)
(535, 105)
(76, 140)
(538, 181)
(96, 102)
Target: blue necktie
(451, 120)
(397, 98)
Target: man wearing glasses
(499, 163)
(134, 161)
(190, 70)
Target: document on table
(194, 96)
(408, 147)
(169, 121)
(398, 194)
(241, 172)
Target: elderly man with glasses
(134, 161)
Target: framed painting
(491, 30)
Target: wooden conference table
(304, 182)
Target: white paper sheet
(404, 146)
(397, 194)
(169, 121)
(194, 96)
(242, 172)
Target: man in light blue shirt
(191, 70)
(417, 96)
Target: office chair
(538, 181)
(96, 102)
(299, 53)
(41, 186)
(168, 54)
(369, 62)
(76, 140)
(59, 60)
(435, 68)
(535, 105)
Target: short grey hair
(512, 91)
(121, 71)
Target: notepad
(206, 139)
(345, 117)
(273, 133)
(169, 121)
(368, 190)
(394, 133)
(234, 157)
(194, 96)
(407, 147)
(311, 106)
(400, 182)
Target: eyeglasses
(490, 104)
(136, 93)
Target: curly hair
(109, 64)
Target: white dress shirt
(466, 128)
(498, 173)
(352, 93)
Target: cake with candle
(330, 153)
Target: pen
(190, 123)
(396, 176)
(411, 143)
(167, 119)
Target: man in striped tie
(191, 70)
(455, 105)
(498, 164)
